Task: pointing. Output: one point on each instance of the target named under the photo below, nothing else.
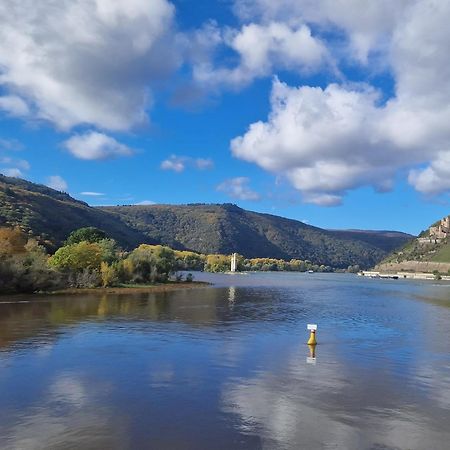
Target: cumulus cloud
(261, 48)
(238, 189)
(327, 141)
(180, 163)
(57, 182)
(85, 61)
(367, 25)
(96, 146)
(433, 179)
(14, 106)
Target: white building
(234, 262)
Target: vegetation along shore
(89, 260)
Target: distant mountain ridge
(52, 215)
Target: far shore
(405, 275)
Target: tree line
(89, 258)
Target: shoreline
(403, 275)
(163, 287)
(133, 289)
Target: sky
(332, 112)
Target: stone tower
(234, 262)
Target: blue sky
(333, 113)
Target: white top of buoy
(312, 326)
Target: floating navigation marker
(312, 337)
(311, 359)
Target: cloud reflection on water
(317, 407)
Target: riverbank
(133, 289)
(423, 267)
(404, 275)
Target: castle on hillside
(438, 232)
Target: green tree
(109, 250)
(150, 263)
(76, 257)
(186, 260)
(88, 234)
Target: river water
(227, 367)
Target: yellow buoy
(312, 351)
(312, 337)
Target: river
(227, 367)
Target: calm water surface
(226, 367)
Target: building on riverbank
(403, 275)
(437, 233)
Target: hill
(51, 215)
(431, 250)
(228, 228)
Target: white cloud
(92, 194)
(328, 141)
(174, 163)
(57, 182)
(180, 163)
(238, 188)
(96, 146)
(323, 141)
(261, 48)
(435, 178)
(14, 106)
(12, 172)
(85, 61)
(145, 203)
(367, 25)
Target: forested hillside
(228, 228)
(50, 216)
